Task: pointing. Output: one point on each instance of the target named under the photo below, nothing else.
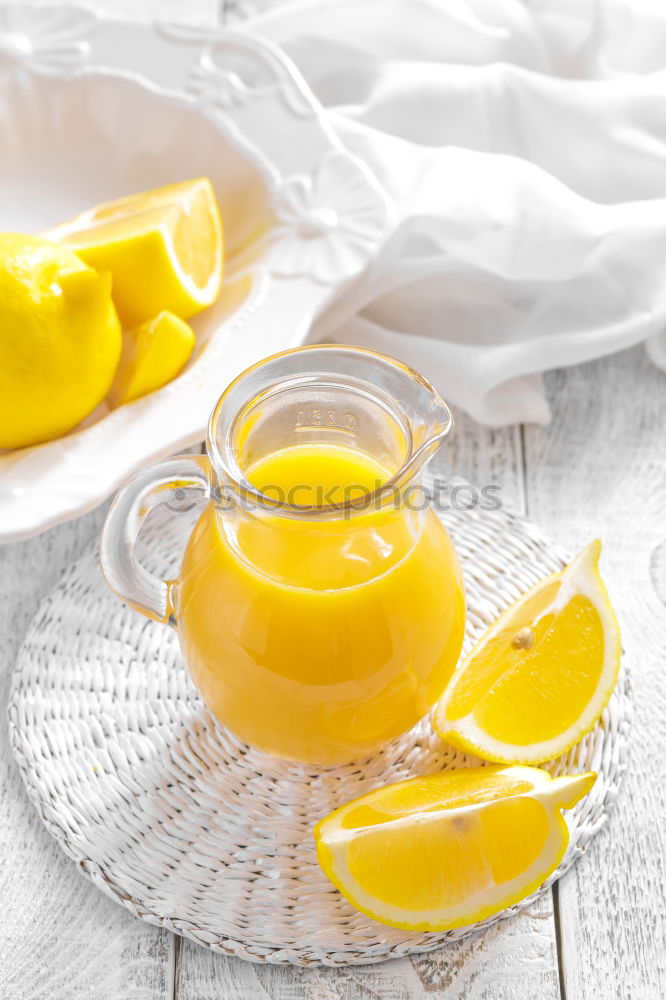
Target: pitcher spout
(429, 429)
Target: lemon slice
(449, 849)
(153, 354)
(541, 676)
(162, 247)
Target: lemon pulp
(449, 849)
(163, 247)
(540, 677)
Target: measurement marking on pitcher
(317, 417)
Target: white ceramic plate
(92, 109)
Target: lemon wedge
(59, 340)
(153, 354)
(541, 676)
(162, 247)
(449, 849)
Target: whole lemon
(60, 340)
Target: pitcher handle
(183, 480)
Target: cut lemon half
(541, 676)
(162, 247)
(449, 849)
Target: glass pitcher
(319, 604)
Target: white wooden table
(598, 469)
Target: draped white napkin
(525, 146)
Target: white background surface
(599, 468)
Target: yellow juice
(319, 639)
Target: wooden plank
(485, 457)
(600, 470)
(60, 938)
(202, 975)
(515, 960)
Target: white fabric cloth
(525, 146)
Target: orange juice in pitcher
(319, 604)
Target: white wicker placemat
(187, 827)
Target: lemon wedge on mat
(540, 677)
(59, 340)
(449, 849)
(153, 354)
(162, 247)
